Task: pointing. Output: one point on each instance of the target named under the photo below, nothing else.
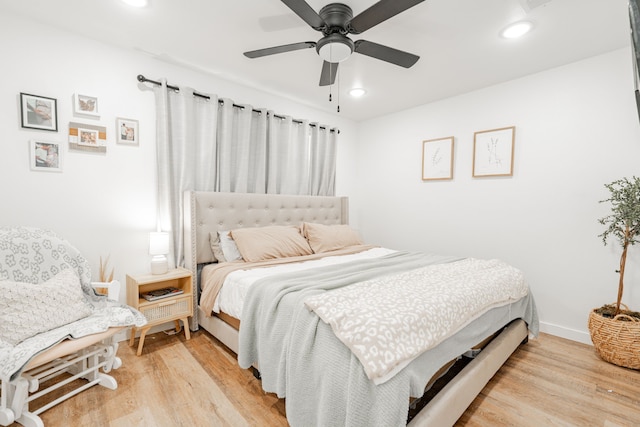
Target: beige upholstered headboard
(208, 212)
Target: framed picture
(87, 137)
(493, 152)
(85, 105)
(437, 159)
(127, 131)
(38, 112)
(45, 155)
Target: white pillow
(214, 242)
(228, 247)
(28, 309)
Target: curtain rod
(143, 79)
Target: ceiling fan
(336, 21)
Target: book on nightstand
(162, 293)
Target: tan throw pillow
(325, 238)
(261, 243)
(28, 309)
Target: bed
(324, 379)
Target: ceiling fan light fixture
(517, 29)
(335, 48)
(357, 92)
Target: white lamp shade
(158, 243)
(158, 247)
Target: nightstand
(176, 308)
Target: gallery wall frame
(45, 156)
(493, 151)
(87, 137)
(38, 112)
(437, 159)
(85, 105)
(127, 131)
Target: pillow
(325, 238)
(214, 241)
(228, 247)
(258, 244)
(28, 309)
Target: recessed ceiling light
(517, 29)
(357, 92)
(136, 3)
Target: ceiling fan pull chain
(339, 73)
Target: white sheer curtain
(322, 161)
(186, 128)
(214, 145)
(242, 145)
(288, 156)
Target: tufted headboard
(207, 212)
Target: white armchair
(42, 274)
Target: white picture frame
(88, 137)
(45, 156)
(493, 152)
(437, 159)
(85, 105)
(127, 131)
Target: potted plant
(614, 329)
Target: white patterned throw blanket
(421, 308)
(39, 261)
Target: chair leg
(29, 419)
(6, 394)
(108, 381)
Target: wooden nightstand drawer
(172, 308)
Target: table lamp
(158, 248)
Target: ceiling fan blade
(386, 53)
(306, 12)
(378, 13)
(279, 49)
(328, 75)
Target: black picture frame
(38, 112)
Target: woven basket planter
(616, 341)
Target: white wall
(103, 203)
(576, 129)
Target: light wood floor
(547, 382)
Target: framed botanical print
(437, 159)
(493, 152)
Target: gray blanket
(301, 359)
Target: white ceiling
(457, 41)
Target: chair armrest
(113, 288)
